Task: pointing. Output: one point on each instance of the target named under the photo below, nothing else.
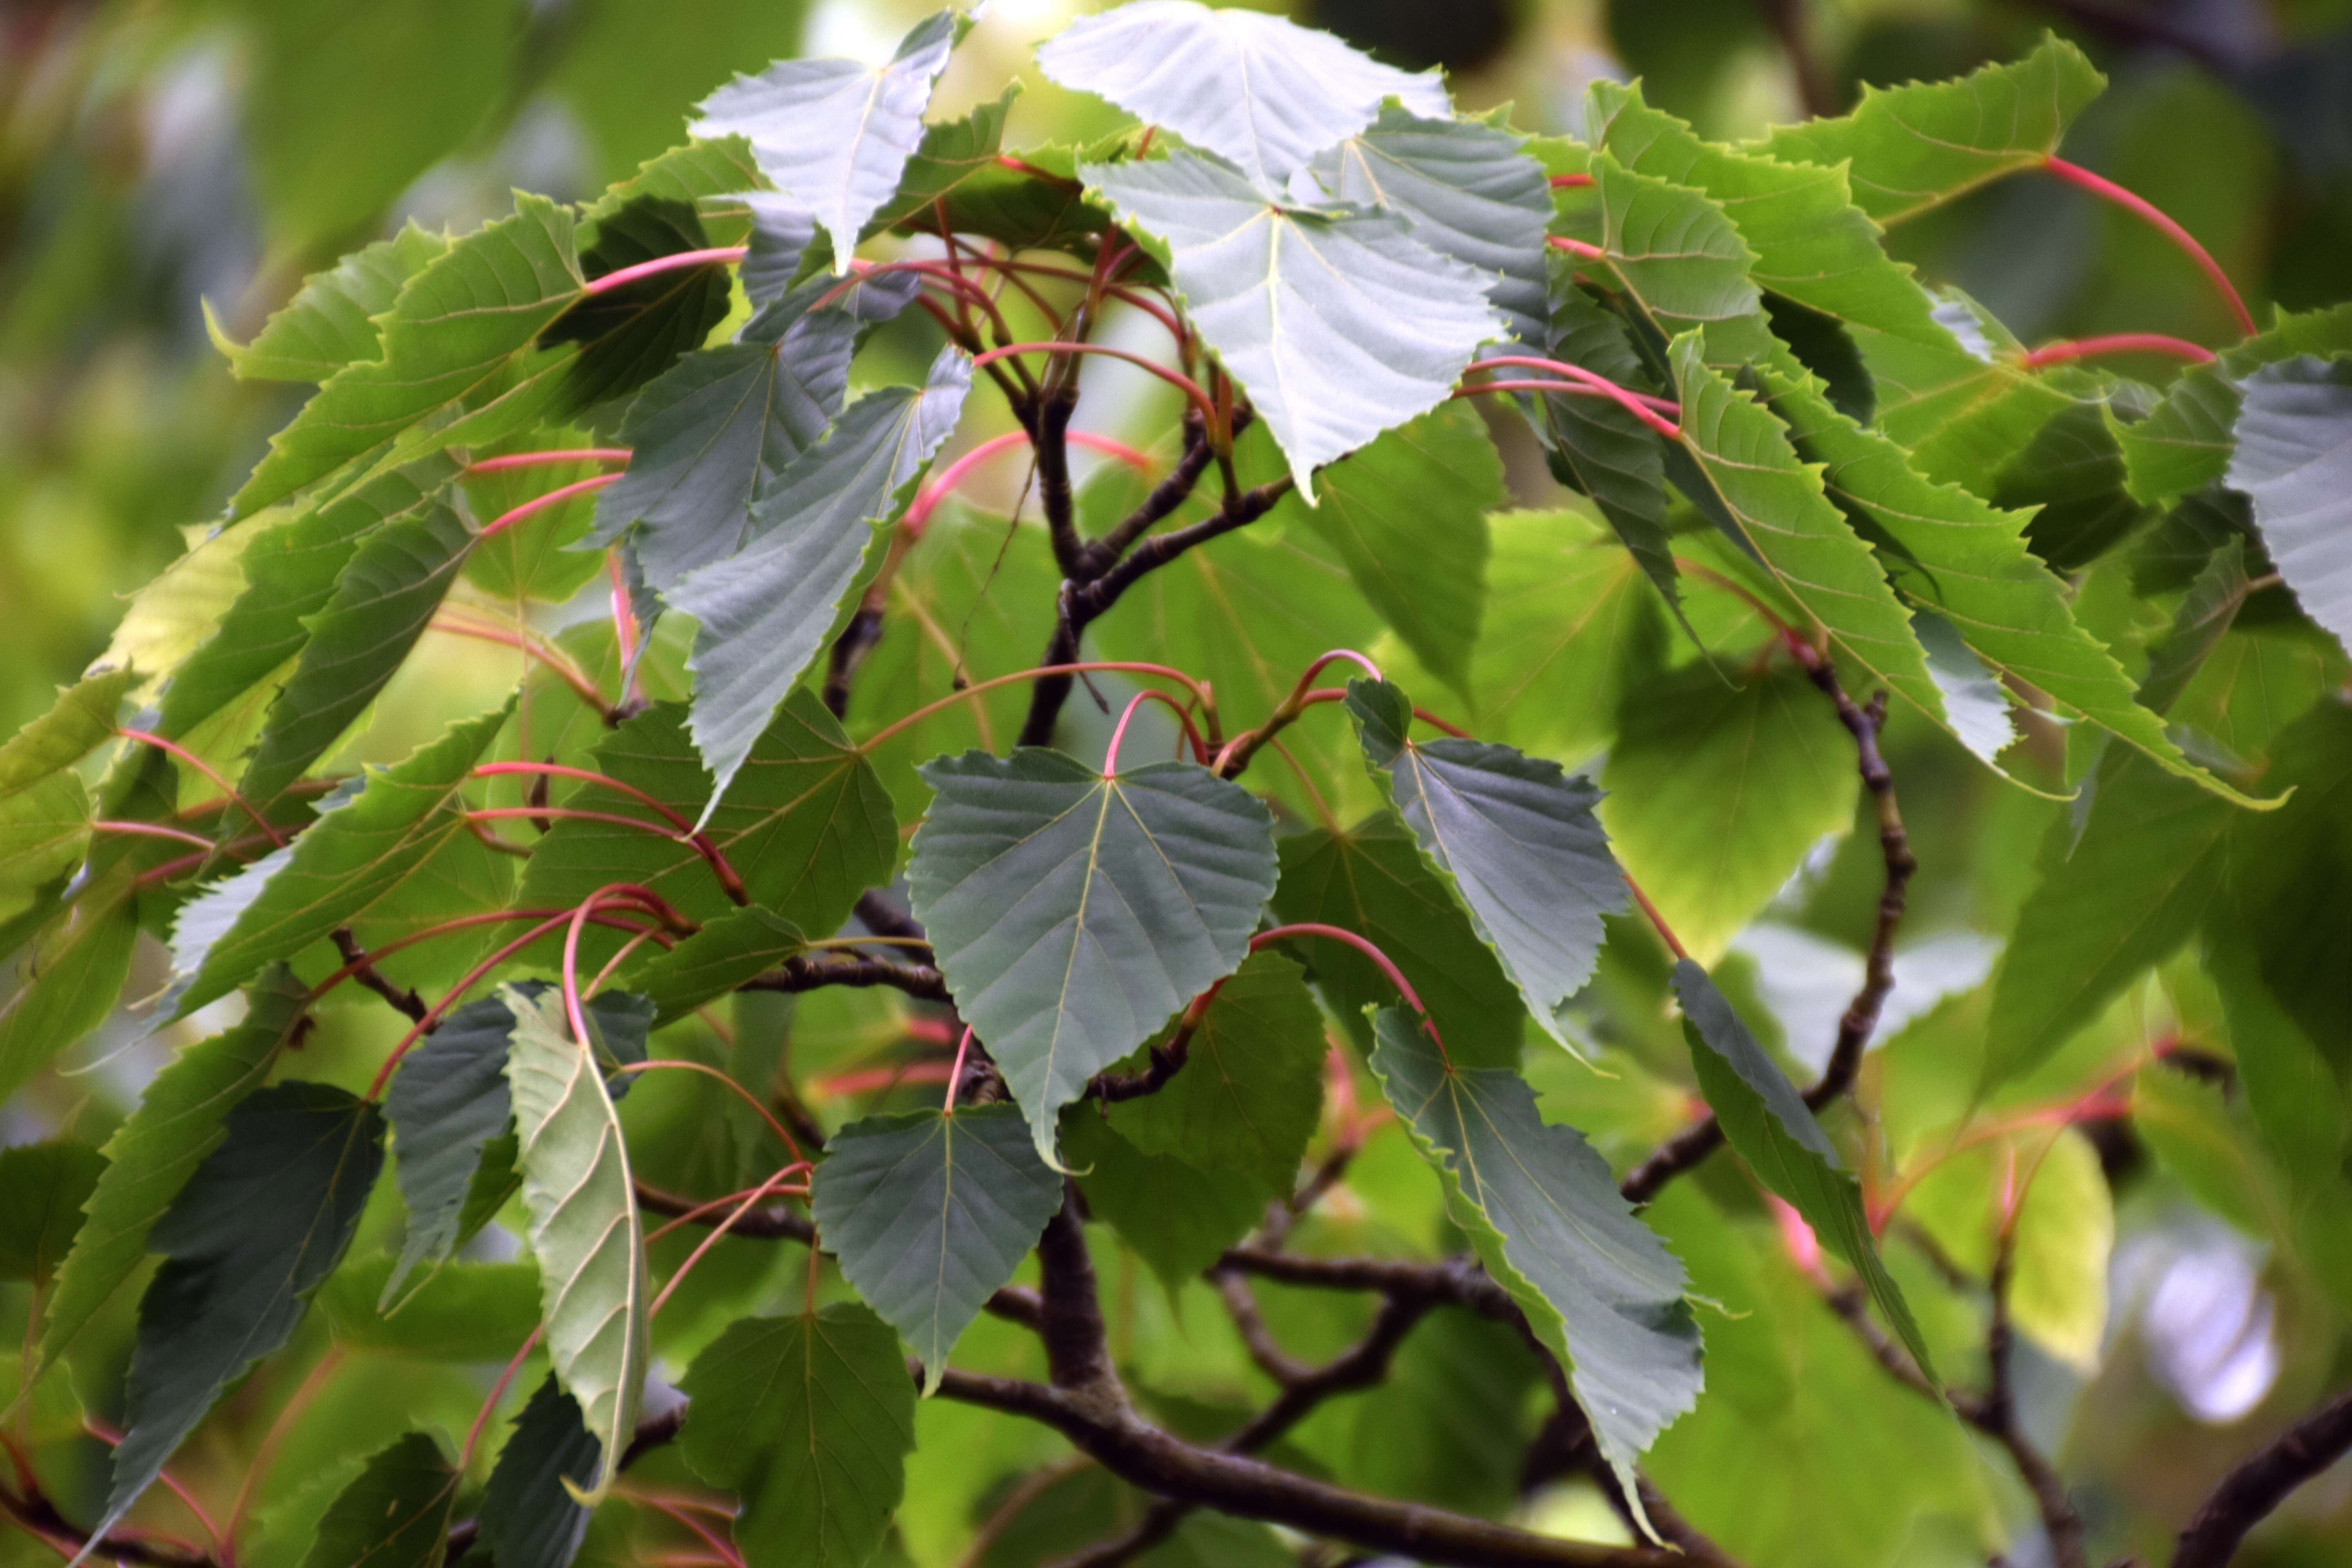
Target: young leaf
(1514, 837)
(1258, 91)
(1913, 148)
(1468, 189)
(330, 321)
(1074, 912)
(715, 428)
(715, 960)
(1600, 1290)
(767, 610)
(2294, 462)
(1767, 1123)
(1176, 1214)
(394, 1515)
(806, 825)
(1408, 515)
(1716, 791)
(1337, 323)
(930, 1215)
(47, 1184)
(835, 134)
(533, 1515)
(1251, 1089)
(259, 1225)
(44, 805)
(807, 1421)
(176, 1123)
(583, 1224)
(1372, 880)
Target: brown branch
(1693, 1143)
(39, 1518)
(2248, 1494)
(1240, 1305)
(1171, 492)
(363, 970)
(803, 973)
(1049, 433)
(883, 918)
(1996, 1416)
(858, 639)
(774, 1223)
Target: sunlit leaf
(1571, 629)
(330, 321)
(44, 805)
(2065, 1232)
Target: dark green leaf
(715, 960)
(47, 1184)
(1600, 1290)
(631, 334)
(1074, 913)
(396, 1515)
(531, 1518)
(2185, 442)
(808, 1421)
(2294, 462)
(331, 322)
(953, 156)
(1767, 1123)
(1595, 445)
(1178, 1215)
(448, 1102)
(930, 1215)
(259, 1225)
(2073, 472)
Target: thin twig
(2248, 1494)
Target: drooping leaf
(806, 825)
(531, 1513)
(1716, 791)
(1596, 445)
(359, 850)
(394, 1515)
(1467, 189)
(2185, 442)
(1258, 91)
(1177, 1215)
(261, 1222)
(708, 434)
(47, 1184)
(177, 1122)
(1915, 147)
(1784, 514)
(1408, 515)
(584, 1223)
(1514, 835)
(2294, 462)
(1372, 880)
(330, 321)
(44, 806)
(836, 134)
(767, 610)
(807, 1421)
(1327, 363)
(1251, 1089)
(1766, 1123)
(1074, 913)
(930, 1215)
(1600, 1290)
(715, 960)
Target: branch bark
(802, 973)
(2248, 1494)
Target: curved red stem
(717, 255)
(2149, 213)
(540, 503)
(1118, 731)
(2119, 343)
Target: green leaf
(1468, 189)
(44, 805)
(2294, 462)
(1913, 148)
(782, 229)
(260, 1224)
(72, 977)
(710, 433)
(1600, 1291)
(1595, 445)
(466, 1312)
(1040, 207)
(2152, 857)
(953, 157)
(1767, 1124)
(1716, 791)
(808, 1421)
(531, 1513)
(1967, 560)
(930, 1215)
(449, 336)
(330, 321)
(1684, 260)
(836, 134)
(1074, 913)
(364, 845)
(2070, 477)
(291, 569)
(536, 558)
(1514, 835)
(583, 1224)
(176, 1123)
(1258, 91)
(806, 825)
(1372, 880)
(1251, 1090)
(2066, 1237)
(629, 334)
(1337, 323)
(1407, 515)
(766, 611)
(2186, 441)
(394, 1515)
(47, 1184)
(715, 960)
(1177, 1214)
(1786, 517)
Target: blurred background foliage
(161, 159)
